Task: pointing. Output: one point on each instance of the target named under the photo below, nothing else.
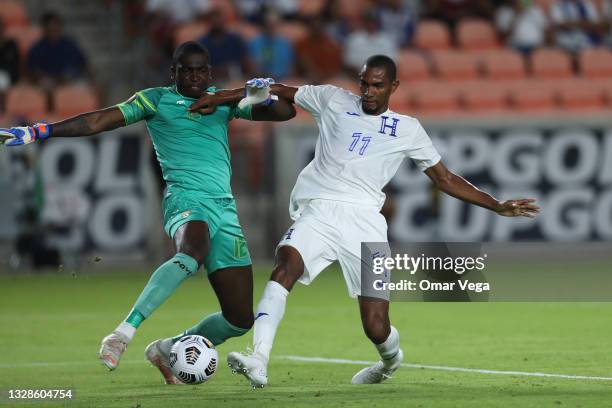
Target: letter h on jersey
(384, 125)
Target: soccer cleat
(252, 366)
(155, 356)
(380, 371)
(112, 348)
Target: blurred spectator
(366, 41)
(397, 20)
(228, 51)
(607, 17)
(254, 11)
(273, 54)
(335, 24)
(576, 24)
(9, 60)
(451, 11)
(55, 58)
(522, 25)
(319, 57)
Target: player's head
(190, 70)
(377, 81)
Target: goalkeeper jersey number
(191, 148)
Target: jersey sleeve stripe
(146, 101)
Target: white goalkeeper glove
(257, 92)
(23, 135)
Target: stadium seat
(26, 101)
(596, 63)
(188, 32)
(250, 137)
(485, 96)
(292, 31)
(412, 66)
(533, 95)
(605, 85)
(70, 100)
(551, 63)
(455, 65)
(400, 100)
(476, 34)
(434, 97)
(432, 35)
(503, 64)
(25, 37)
(13, 13)
(342, 82)
(580, 94)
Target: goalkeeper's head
(377, 81)
(190, 69)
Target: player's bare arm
(278, 111)
(456, 186)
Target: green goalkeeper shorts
(228, 247)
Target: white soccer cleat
(112, 348)
(155, 356)
(252, 366)
(380, 371)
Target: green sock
(215, 328)
(161, 285)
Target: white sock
(269, 314)
(390, 347)
(127, 330)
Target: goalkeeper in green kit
(198, 208)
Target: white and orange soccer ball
(193, 359)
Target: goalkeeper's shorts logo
(185, 214)
(240, 248)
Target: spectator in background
(366, 41)
(397, 20)
(178, 12)
(522, 25)
(607, 17)
(272, 53)
(335, 24)
(9, 60)
(576, 24)
(451, 11)
(319, 57)
(55, 58)
(228, 51)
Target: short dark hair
(382, 61)
(50, 16)
(189, 47)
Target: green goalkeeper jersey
(192, 148)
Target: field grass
(52, 324)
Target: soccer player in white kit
(336, 206)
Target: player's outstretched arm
(82, 125)
(461, 189)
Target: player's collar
(175, 89)
(388, 111)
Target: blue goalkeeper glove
(17, 136)
(257, 92)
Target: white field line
(445, 368)
(93, 362)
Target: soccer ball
(193, 359)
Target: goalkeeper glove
(24, 135)
(257, 92)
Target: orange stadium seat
(551, 63)
(70, 100)
(250, 137)
(25, 37)
(596, 63)
(188, 32)
(412, 66)
(292, 31)
(26, 101)
(351, 9)
(13, 13)
(503, 64)
(455, 65)
(485, 96)
(400, 100)
(605, 85)
(476, 34)
(342, 82)
(434, 97)
(432, 35)
(581, 94)
(533, 95)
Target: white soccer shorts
(329, 231)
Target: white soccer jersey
(356, 154)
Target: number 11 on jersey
(358, 136)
